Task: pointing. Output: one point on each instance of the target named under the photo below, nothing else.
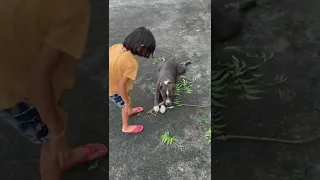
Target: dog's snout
(168, 103)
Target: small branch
(195, 105)
(275, 140)
(189, 105)
(150, 111)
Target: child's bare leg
(49, 167)
(125, 125)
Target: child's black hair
(140, 42)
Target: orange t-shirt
(25, 26)
(121, 63)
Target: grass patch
(156, 60)
(208, 135)
(166, 138)
(183, 86)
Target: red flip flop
(95, 151)
(136, 110)
(137, 130)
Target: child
(123, 69)
(40, 42)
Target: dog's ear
(161, 86)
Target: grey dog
(167, 73)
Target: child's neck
(123, 49)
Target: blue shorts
(26, 120)
(116, 99)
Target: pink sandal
(136, 110)
(95, 151)
(138, 129)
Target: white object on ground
(162, 109)
(156, 108)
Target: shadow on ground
(289, 110)
(182, 31)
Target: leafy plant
(281, 78)
(217, 127)
(177, 100)
(167, 139)
(184, 86)
(232, 76)
(208, 135)
(295, 174)
(156, 60)
(262, 55)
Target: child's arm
(122, 89)
(40, 88)
(66, 38)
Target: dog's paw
(162, 109)
(156, 108)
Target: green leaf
(219, 126)
(218, 96)
(249, 97)
(253, 67)
(218, 119)
(241, 73)
(263, 54)
(249, 55)
(232, 48)
(92, 168)
(237, 87)
(246, 81)
(217, 74)
(217, 104)
(218, 82)
(253, 91)
(244, 64)
(246, 86)
(235, 59)
(257, 75)
(271, 55)
(218, 88)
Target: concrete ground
(182, 30)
